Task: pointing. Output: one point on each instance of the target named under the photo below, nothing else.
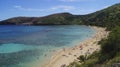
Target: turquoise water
(25, 46)
(11, 47)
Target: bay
(21, 46)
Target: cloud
(84, 11)
(63, 7)
(106, 6)
(26, 9)
(54, 8)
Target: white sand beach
(67, 55)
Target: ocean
(27, 46)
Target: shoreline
(66, 56)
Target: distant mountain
(18, 20)
(109, 17)
(54, 19)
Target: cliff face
(109, 17)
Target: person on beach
(64, 65)
(64, 49)
(81, 47)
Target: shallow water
(24, 46)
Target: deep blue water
(23, 45)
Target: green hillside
(109, 17)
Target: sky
(38, 8)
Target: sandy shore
(67, 55)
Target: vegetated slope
(109, 17)
(54, 19)
(17, 21)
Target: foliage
(110, 46)
(82, 58)
(89, 62)
(74, 64)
